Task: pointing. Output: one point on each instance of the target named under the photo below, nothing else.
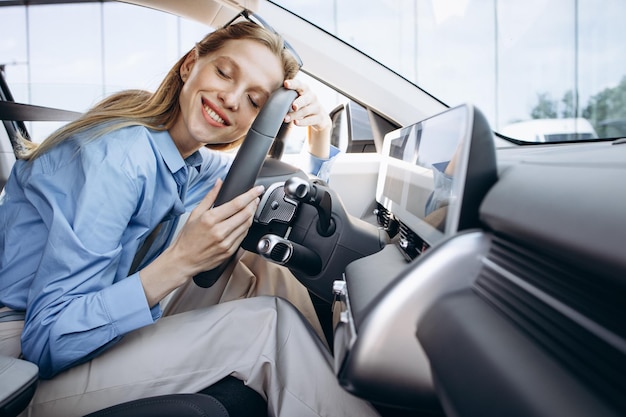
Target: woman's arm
(208, 238)
(79, 300)
(306, 110)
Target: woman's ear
(188, 63)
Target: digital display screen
(420, 180)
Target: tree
(607, 111)
(569, 104)
(546, 108)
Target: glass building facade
(507, 57)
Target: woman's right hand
(209, 237)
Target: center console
(433, 177)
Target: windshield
(540, 70)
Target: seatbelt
(143, 250)
(13, 115)
(19, 112)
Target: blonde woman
(77, 208)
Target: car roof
(214, 13)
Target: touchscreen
(418, 177)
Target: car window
(111, 47)
(331, 100)
(88, 51)
(517, 61)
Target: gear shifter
(316, 194)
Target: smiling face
(223, 92)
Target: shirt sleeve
(320, 167)
(78, 305)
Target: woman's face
(223, 92)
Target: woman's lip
(207, 108)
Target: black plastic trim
(483, 365)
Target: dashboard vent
(385, 220)
(409, 243)
(575, 315)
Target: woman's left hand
(306, 110)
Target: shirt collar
(170, 154)
(194, 160)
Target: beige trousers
(263, 340)
(251, 276)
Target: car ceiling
(214, 13)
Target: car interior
(456, 272)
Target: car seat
(229, 397)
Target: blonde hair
(159, 110)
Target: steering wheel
(249, 160)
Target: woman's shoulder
(129, 142)
(123, 137)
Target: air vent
(409, 243)
(385, 220)
(575, 315)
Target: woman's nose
(230, 99)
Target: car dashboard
(509, 304)
(514, 312)
(432, 178)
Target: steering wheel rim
(248, 162)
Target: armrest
(18, 381)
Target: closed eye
(254, 102)
(222, 73)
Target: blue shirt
(71, 222)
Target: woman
(77, 208)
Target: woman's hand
(306, 110)
(209, 237)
